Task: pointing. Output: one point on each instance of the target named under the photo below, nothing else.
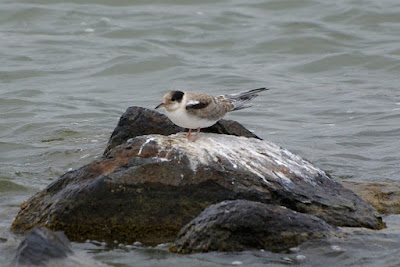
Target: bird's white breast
(183, 119)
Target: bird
(197, 110)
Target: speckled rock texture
(149, 187)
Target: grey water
(69, 69)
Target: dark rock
(148, 188)
(41, 246)
(137, 121)
(244, 225)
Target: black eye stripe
(177, 96)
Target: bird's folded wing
(206, 107)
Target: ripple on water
(9, 187)
(143, 66)
(351, 156)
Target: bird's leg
(194, 138)
(188, 134)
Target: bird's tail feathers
(242, 98)
(241, 105)
(248, 95)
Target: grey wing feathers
(240, 100)
(214, 108)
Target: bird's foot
(193, 137)
(188, 134)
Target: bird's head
(171, 100)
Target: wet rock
(148, 188)
(137, 121)
(384, 197)
(42, 246)
(244, 225)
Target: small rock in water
(41, 246)
(242, 225)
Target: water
(69, 70)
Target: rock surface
(42, 246)
(137, 121)
(243, 225)
(384, 197)
(148, 188)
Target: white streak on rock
(264, 159)
(161, 159)
(285, 180)
(144, 144)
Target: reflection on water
(69, 70)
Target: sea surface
(69, 69)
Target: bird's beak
(161, 105)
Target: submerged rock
(148, 188)
(243, 225)
(384, 197)
(137, 121)
(42, 246)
